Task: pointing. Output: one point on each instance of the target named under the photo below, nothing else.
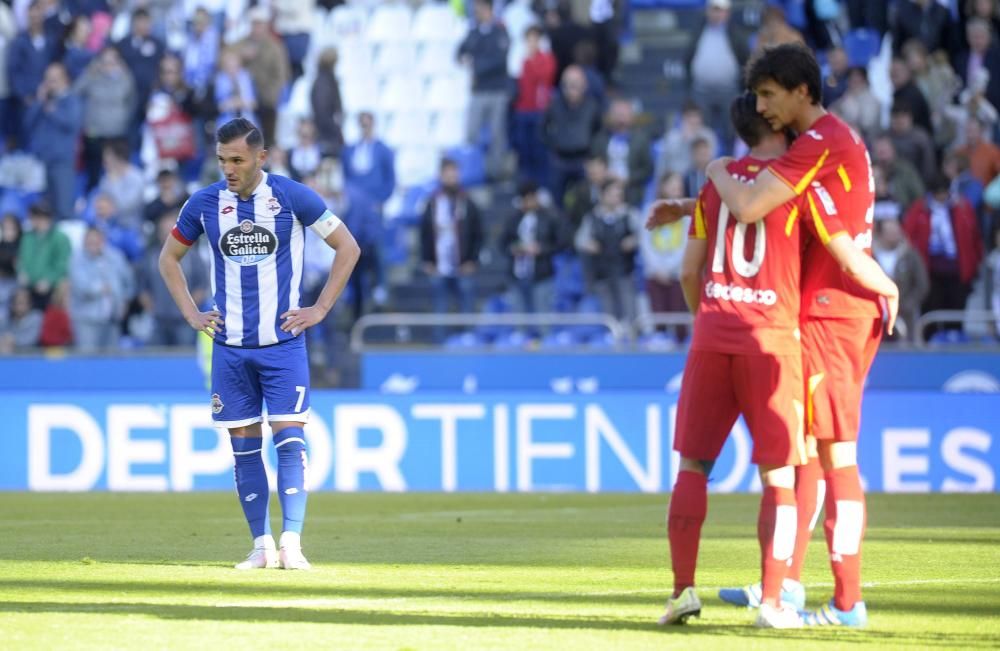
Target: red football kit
(745, 353)
(841, 321)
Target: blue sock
(290, 444)
(251, 483)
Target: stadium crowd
(108, 111)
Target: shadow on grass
(388, 618)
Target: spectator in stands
(627, 150)
(701, 156)
(715, 63)
(109, 96)
(585, 56)
(324, 338)
(293, 21)
(571, 122)
(903, 264)
(53, 125)
(925, 20)
(77, 54)
(607, 242)
(22, 326)
(104, 216)
(938, 82)
(983, 155)
(10, 240)
(43, 255)
(30, 53)
(605, 25)
(942, 228)
(363, 216)
(676, 153)
(124, 183)
(369, 165)
(858, 106)
(775, 30)
(534, 91)
(8, 116)
(485, 50)
(327, 107)
(202, 52)
(835, 79)
(100, 287)
(277, 162)
(662, 250)
(906, 91)
(956, 169)
(175, 114)
(530, 235)
(451, 235)
(912, 142)
(993, 262)
(141, 52)
(886, 206)
(57, 328)
(564, 33)
(904, 180)
(583, 195)
(169, 326)
(170, 196)
(305, 156)
(982, 53)
(266, 59)
(235, 95)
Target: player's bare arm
(863, 270)
(692, 270)
(668, 211)
(748, 203)
(348, 252)
(171, 255)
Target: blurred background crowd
(489, 156)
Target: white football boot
(680, 609)
(264, 555)
(290, 552)
(784, 617)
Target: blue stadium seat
(862, 45)
(560, 338)
(496, 304)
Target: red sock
(807, 479)
(776, 533)
(688, 505)
(845, 528)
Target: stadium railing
(403, 324)
(963, 317)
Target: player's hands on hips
(892, 310)
(665, 211)
(208, 322)
(295, 321)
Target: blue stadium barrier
(514, 441)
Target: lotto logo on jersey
(248, 243)
(737, 294)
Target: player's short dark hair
(789, 65)
(40, 208)
(750, 125)
(240, 128)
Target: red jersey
(830, 165)
(750, 296)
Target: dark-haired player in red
(829, 165)
(742, 281)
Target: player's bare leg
(685, 515)
(844, 527)
(776, 533)
(289, 442)
(252, 489)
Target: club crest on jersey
(273, 205)
(217, 405)
(248, 243)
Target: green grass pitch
(416, 571)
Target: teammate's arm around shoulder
(748, 203)
(863, 270)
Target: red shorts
(837, 354)
(766, 389)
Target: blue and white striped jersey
(257, 253)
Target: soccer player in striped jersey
(742, 282)
(255, 225)
(843, 289)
